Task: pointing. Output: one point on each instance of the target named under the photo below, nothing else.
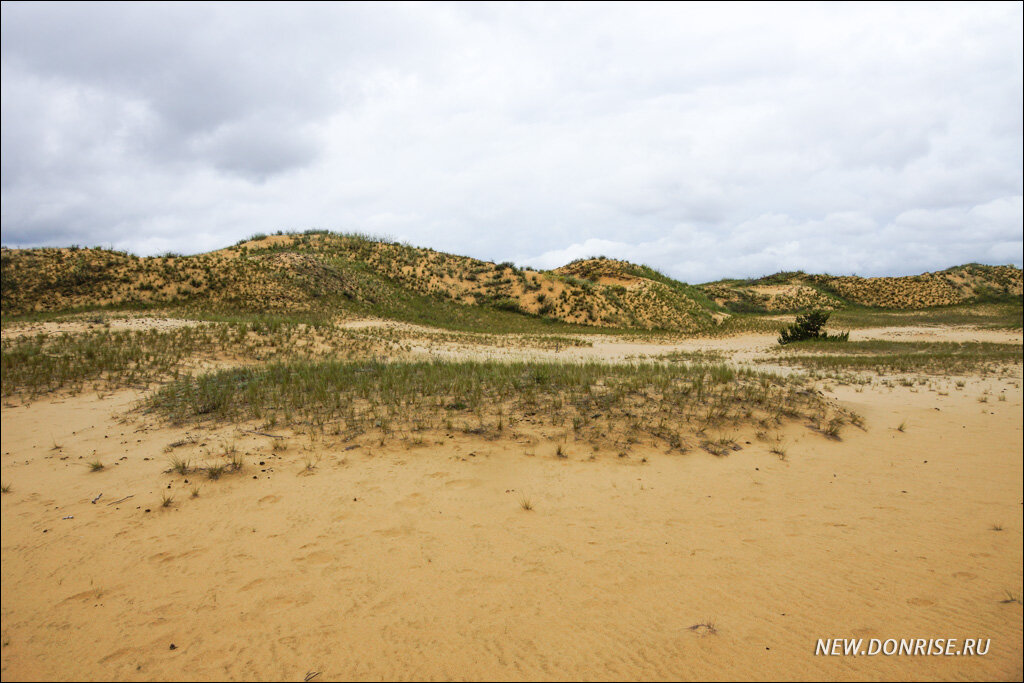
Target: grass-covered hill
(322, 273)
(795, 291)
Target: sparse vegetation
(181, 465)
(272, 379)
(482, 395)
(706, 627)
(310, 461)
(890, 357)
(833, 426)
(930, 296)
(1010, 598)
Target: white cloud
(703, 141)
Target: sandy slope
(419, 562)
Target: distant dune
(319, 271)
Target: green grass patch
(884, 356)
(661, 400)
(105, 359)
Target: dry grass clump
(1010, 598)
(706, 627)
(180, 464)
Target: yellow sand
(402, 562)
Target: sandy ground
(114, 324)
(952, 333)
(737, 349)
(420, 562)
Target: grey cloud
(705, 141)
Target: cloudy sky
(705, 140)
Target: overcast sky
(707, 141)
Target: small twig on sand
(272, 436)
(96, 498)
(120, 500)
(310, 675)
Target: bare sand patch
(952, 333)
(396, 561)
(739, 348)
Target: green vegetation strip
(108, 359)
(649, 396)
(897, 356)
(43, 363)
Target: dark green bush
(808, 326)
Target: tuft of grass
(310, 462)
(525, 502)
(166, 500)
(996, 527)
(214, 471)
(195, 491)
(1011, 597)
(706, 627)
(95, 465)
(902, 426)
(5, 488)
(833, 426)
(717, 447)
(180, 464)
